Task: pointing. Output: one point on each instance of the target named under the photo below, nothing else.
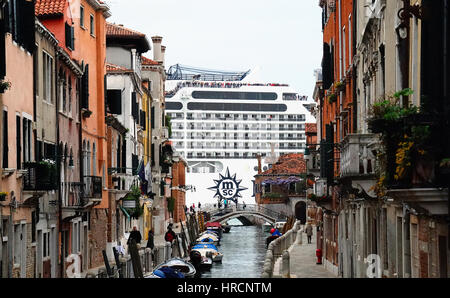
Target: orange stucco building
(80, 28)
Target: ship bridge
(189, 73)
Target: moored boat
(208, 238)
(209, 251)
(178, 267)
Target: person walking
(136, 235)
(199, 205)
(309, 232)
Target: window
(234, 95)
(5, 140)
(18, 142)
(27, 134)
(70, 37)
(91, 19)
(46, 245)
(82, 16)
(47, 61)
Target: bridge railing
(253, 208)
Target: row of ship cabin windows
(210, 116)
(234, 126)
(233, 155)
(220, 145)
(238, 136)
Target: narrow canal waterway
(243, 251)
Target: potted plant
(3, 195)
(86, 113)
(332, 98)
(4, 85)
(339, 86)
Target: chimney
(163, 54)
(259, 164)
(157, 50)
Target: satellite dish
(265, 168)
(255, 168)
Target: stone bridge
(239, 210)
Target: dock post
(285, 266)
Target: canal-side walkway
(302, 261)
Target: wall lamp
(404, 14)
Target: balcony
(92, 188)
(357, 157)
(40, 176)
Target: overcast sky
(279, 40)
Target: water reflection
(243, 251)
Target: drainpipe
(58, 165)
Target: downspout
(341, 71)
(58, 164)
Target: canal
(243, 251)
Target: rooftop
(50, 7)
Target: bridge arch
(237, 214)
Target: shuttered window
(85, 88)
(70, 37)
(134, 107)
(5, 140)
(114, 101)
(19, 19)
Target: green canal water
(244, 250)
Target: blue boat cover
(167, 272)
(206, 245)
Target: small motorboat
(208, 238)
(215, 226)
(178, 267)
(267, 227)
(226, 228)
(208, 251)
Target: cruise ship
(221, 123)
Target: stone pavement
(303, 261)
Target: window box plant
(4, 85)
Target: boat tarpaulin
(205, 246)
(214, 224)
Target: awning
(124, 211)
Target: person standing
(150, 241)
(136, 235)
(309, 232)
(199, 205)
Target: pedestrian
(170, 234)
(199, 205)
(244, 206)
(136, 235)
(150, 240)
(193, 206)
(185, 209)
(225, 204)
(309, 232)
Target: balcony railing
(92, 187)
(357, 157)
(40, 176)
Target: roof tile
(121, 31)
(50, 7)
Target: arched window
(84, 158)
(89, 164)
(69, 100)
(94, 160)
